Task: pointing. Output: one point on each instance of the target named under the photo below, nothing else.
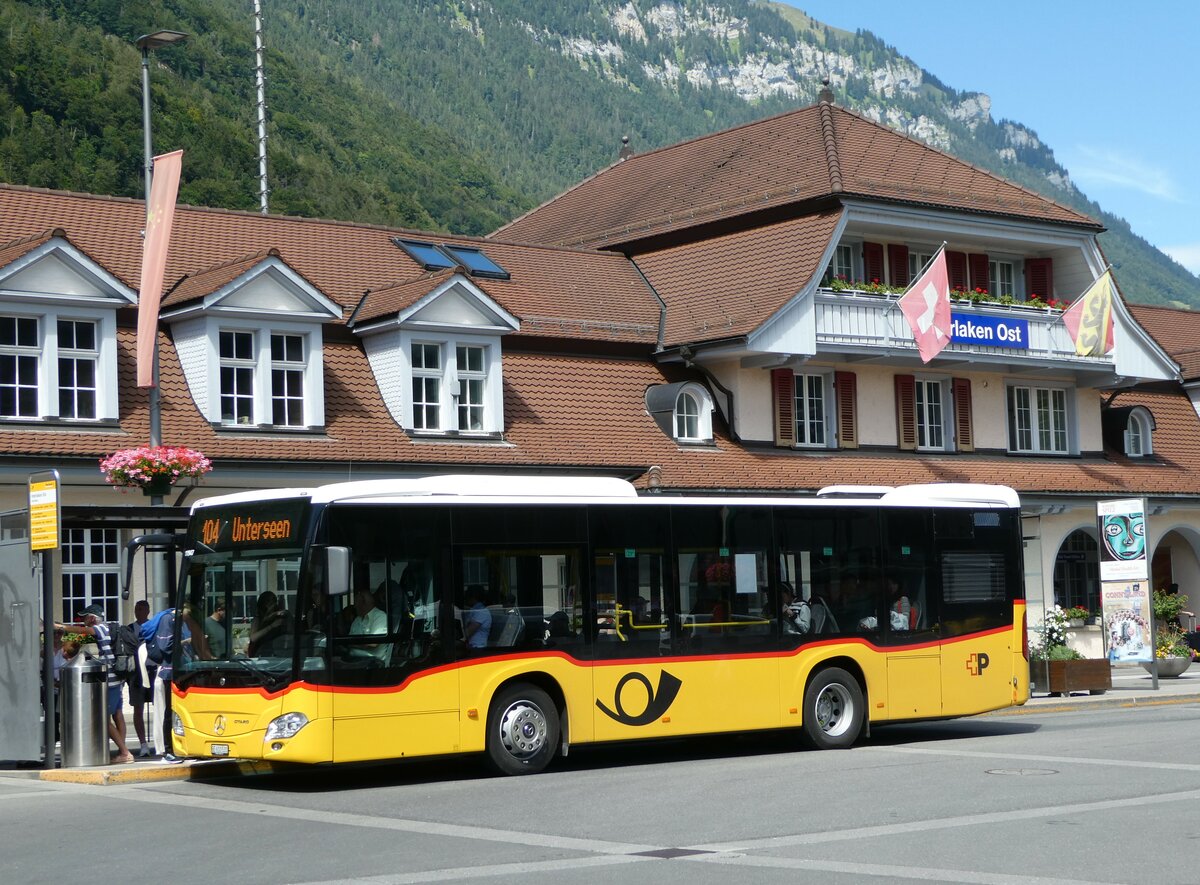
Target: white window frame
(918, 257)
(88, 578)
(263, 365)
(996, 285)
(431, 378)
(470, 399)
(802, 402)
(846, 257)
(1138, 435)
(22, 355)
(237, 366)
(932, 436)
(699, 396)
(1037, 434)
(78, 356)
(450, 382)
(105, 355)
(288, 370)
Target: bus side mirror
(337, 570)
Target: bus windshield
(240, 596)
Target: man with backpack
(157, 635)
(119, 662)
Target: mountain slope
(460, 114)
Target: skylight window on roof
(427, 255)
(476, 262)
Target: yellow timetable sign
(43, 514)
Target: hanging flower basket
(153, 469)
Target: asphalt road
(1099, 795)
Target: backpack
(157, 633)
(125, 642)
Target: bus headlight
(176, 724)
(285, 726)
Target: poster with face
(1127, 620)
(1122, 540)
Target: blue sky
(1111, 88)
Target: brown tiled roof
(390, 300)
(815, 152)
(1177, 330)
(728, 285)
(569, 293)
(204, 282)
(18, 248)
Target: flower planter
(1168, 667)
(1063, 677)
(159, 486)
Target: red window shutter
(1039, 278)
(873, 262)
(979, 271)
(783, 392)
(956, 267)
(964, 437)
(845, 389)
(906, 413)
(897, 264)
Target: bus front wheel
(522, 730)
(833, 710)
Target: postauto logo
(977, 662)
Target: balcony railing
(863, 322)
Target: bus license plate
(220, 749)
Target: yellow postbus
(518, 617)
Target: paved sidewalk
(1132, 685)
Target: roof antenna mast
(260, 83)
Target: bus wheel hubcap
(523, 730)
(835, 709)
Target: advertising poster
(1126, 607)
(1122, 540)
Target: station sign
(45, 511)
(989, 331)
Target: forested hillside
(439, 114)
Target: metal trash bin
(84, 712)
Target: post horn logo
(657, 704)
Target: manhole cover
(1022, 772)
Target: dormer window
(434, 346)
(249, 337)
(1138, 442)
(682, 410)
(58, 334)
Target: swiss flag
(926, 306)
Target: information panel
(45, 519)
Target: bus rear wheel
(522, 730)
(834, 710)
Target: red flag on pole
(1089, 320)
(159, 216)
(926, 306)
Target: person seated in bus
(795, 615)
(901, 612)
(477, 620)
(270, 621)
(369, 621)
(313, 618)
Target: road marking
(508, 869)
(1030, 757)
(421, 827)
(965, 820)
(884, 870)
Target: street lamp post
(145, 43)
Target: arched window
(1138, 442)
(693, 414)
(687, 417)
(1077, 572)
